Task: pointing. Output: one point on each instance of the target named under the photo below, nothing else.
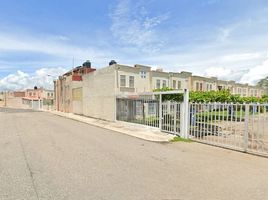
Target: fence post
(175, 117)
(246, 127)
(185, 113)
(160, 111)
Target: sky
(40, 40)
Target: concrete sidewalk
(135, 130)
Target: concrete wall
(99, 99)
(77, 97)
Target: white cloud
(21, 80)
(131, 25)
(241, 57)
(256, 73)
(224, 73)
(250, 76)
(220, 72)
(51, 45)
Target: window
(48, 94)
(201, 87)
(174, 84)
(164, 84)
(30, 94)
(151, 108)
(158, 84)
(143, 74)
(131, 81)
(52, 94)
(122, 80)
(196, 86)
(210, 86)
(138, 108)
(179, 84)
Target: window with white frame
(174, 84)
(164, 84)
(131, 81)
(201, 86)
(158, 84)
(179, 84)
(151, 108)
(143, 74)
(123, 80)
(138, 108)
(197, 86)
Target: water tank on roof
(112, 62)
(87, 64)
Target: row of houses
(30, 98)
(90, 92)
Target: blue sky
(224, 38)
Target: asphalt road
(43, 156)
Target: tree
(264, 84)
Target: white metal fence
(143, 110)
(148, 109)
(238, 126)
(242, 127)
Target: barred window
(179, 84)
(123, 80)
(131, 81)
(158, 84)
(164, 84)
(151, 108)
(174, 84)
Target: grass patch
(179, 139)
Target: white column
(160, 111)
(185, 115)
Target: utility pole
(5, 98)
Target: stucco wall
(77, 97)
(99, 94)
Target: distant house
(37, 97)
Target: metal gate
(242, 127)
(171, 117)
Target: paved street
(43, 156)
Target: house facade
(68, 89)
(37, 97)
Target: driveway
(43, 156)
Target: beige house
(68, 89)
